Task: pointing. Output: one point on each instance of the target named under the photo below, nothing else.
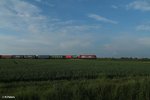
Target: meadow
(73, 79)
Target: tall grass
(98, 89)
(42, 70)
(75, 79)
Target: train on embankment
(48, 56)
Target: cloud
(80, 29)
(75, 43)
(145, 41)
(19, 15)
(121, 44)
(139, 5)
(144, 27)
(127, 46)
(25, 30)
(45, 2)
(102, 19)
(114, 6)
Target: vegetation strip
(34, 79)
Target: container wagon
(43, 57)
(74, 56)
(68, 57)
(6, 56)
(17, 56)
(57, 56)
(29, 56)
(87, 57)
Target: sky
(107, 28)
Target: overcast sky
(107, 28)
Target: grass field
(51, 79)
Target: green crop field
(64, 79)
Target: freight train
(48, 57)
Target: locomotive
(48, 57)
